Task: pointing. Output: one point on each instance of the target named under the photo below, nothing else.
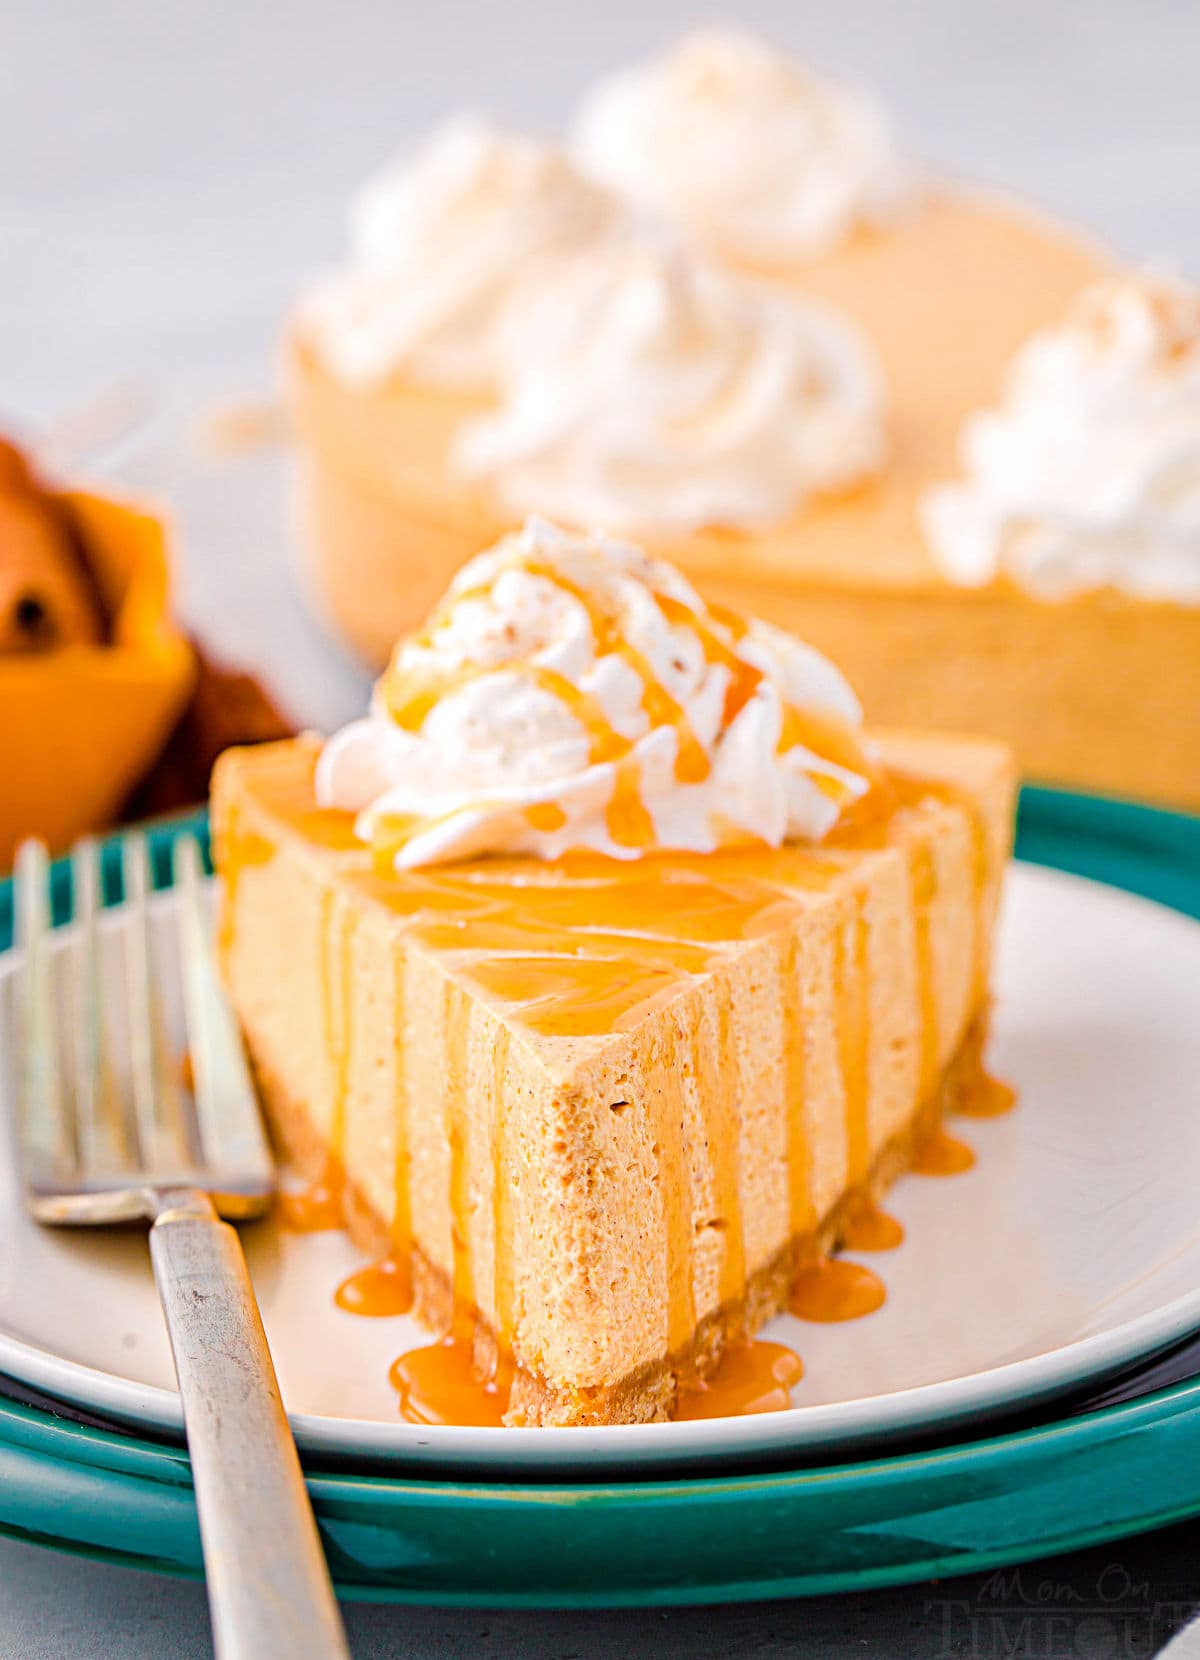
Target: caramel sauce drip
(833, 1289)
(319, 1207)
(909, 790)
(410, 696)
(751, 1376)
(503, 1270)
(443, 1382)
(795, 1067)
(457, 1019)
(870, 1229)
(675, 1188)
(379, 1290)
(744, 678)
(546, 816)
(627, 816)
(825, 734)
(720, 1112)
(943, 1154)
(440, 1384)
(402, 1176)
(923, 883)
(851, 983)
(987, 1097)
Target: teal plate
(921, 1512)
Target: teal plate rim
(911, 1515)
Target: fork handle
(269, 1589)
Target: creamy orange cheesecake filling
(583, 950)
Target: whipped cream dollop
(442, 243)
(573, 693)
(650, 390)
(744, 146)
(1087, 475)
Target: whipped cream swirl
(1087, 476)
(442, 244)
(744, 146)
(650, 390)
(572, 693)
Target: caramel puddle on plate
(943, 1154)
(440, 1384)
(379, 1290)
(870, 1229)
(833, 1289)
(317, 1209)
(988, 1097)
(751, 1376)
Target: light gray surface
(1118, 1602)
(167, 172)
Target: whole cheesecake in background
(606, 967)
(1088, 663)
(505, 338)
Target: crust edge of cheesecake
(649, 1393)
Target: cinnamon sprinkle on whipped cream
(1087, 475)
(571, 693)
(747, 149)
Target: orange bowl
(81, 725)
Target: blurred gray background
(168, 173)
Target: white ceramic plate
(1072, 1249)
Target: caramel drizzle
(943, 1154)
(456, 1017)
(909, 790)
(851, 990)
(719, 1094)
(409, 699)
(402, 1233)
(751, 1377)
(446, 1373)
(674, 1186)
(320, 1206)
(832, 1289)
(923, 880)
(801, 1208)
(443, 1383)
(868, 1228)
(502, 1212)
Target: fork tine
(231, 1129)
(100, 1126)
(46, 1128)
(158, 1114)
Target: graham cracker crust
(647, 1395)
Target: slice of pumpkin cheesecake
(607, 966)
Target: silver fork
(96, 1152)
